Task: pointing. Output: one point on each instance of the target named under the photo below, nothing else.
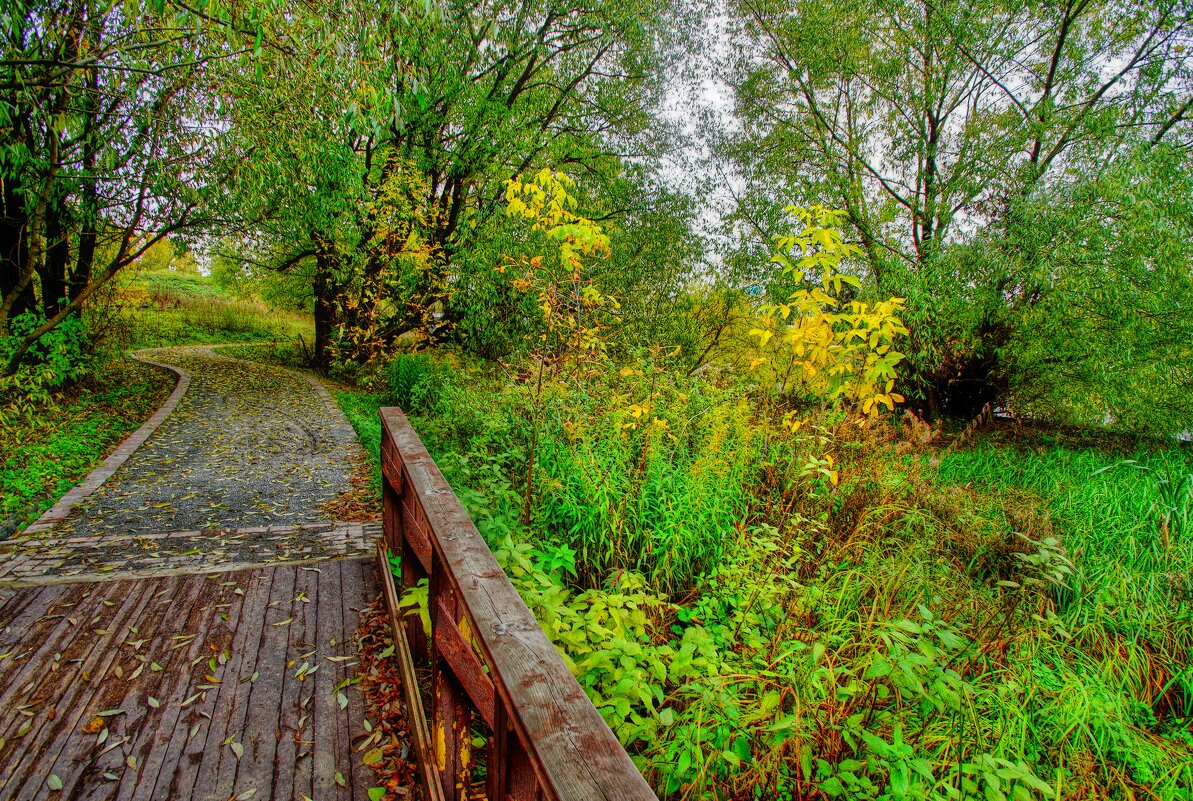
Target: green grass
(187, 321)
(1013, 623)
(361, 410)
(48, 452)
(166, 308)
(167, 284)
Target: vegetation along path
(184, 629)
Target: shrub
(411, 383)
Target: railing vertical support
(451, 716)
(511, 776)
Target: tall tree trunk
(53, 269)
(324, 288)
(88, 217)
(14, 248)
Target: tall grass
(657, 491)
(1011, 624)
(183, 320)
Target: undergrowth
(846, 611)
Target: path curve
(96, 478)
(240, 466)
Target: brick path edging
(95, 479)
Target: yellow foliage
(845, 349)
(568, 302)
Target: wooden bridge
(173, 677)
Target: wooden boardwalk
(189, 687)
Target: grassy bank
(167, 308)
(49, 449)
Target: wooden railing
(489, 661)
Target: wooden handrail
(489, 659)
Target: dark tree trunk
(80, 276)
(324, 288)
(53, 269)
(14, 247)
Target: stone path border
(95, 479)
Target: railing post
(451, 717)
(511, 776)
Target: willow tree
(447, 101)
(933, 122)
(103, 147)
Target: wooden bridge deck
(188, 687)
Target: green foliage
(648, 473)
(56, 359)
(1014, 201)
(758, 614)
(54, 439)
(361, 410)
(412, 382)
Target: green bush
(412, 383)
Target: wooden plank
(416, 529)
(51, 632)
(21, 608)
(174, 729)
(143, 723)
(70, 697)
(575, 755)
(327, 729)
(190, 756)
(358, 587)
(391, 466)
(464, 663)
(202, 757)
(255, 721)
(292, 774)
(450, 712)
(34, 603)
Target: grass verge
(51, 449)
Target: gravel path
(249, 445)
(242, 471)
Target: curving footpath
(181, 624)
(236, 468)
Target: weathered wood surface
(79, 659)
(488, 656)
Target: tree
(933, 122)
(102, 150)
(450, 102)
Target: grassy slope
(48, 453)
(186, 309)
